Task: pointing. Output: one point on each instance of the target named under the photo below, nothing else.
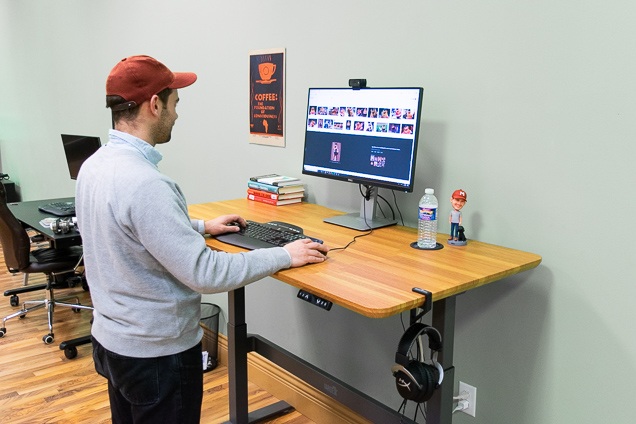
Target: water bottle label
(428, 214)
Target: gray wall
(529, 106)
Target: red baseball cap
(459, 194)
(138, 78)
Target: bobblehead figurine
(457, 237)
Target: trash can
(210, 342)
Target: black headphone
(414, 379)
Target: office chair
(59, 265)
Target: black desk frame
(240, 344)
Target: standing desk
(373, 277)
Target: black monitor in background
(366, 136)
(78, 148)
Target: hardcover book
(274, 201)
(276, 179)
(275, 189)
(275, 196)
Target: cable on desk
(370, 230)
(351, 242)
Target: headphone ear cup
(407, 380)
(430, 377)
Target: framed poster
(267, 97)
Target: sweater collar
(120, 138)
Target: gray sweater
(146, 263)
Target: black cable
(389, 205)
(352, 241)
(424, 411)
(397, 207)
(367, 196)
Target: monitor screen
(77, 149)
(366, 136)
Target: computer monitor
(78, 148)
(367, 136)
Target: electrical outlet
(471, 397)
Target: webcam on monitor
(357, 83)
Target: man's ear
(155, 105)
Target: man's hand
(222, 225)
(306, 251)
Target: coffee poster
(267, 97)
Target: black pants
(167, 389)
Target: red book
(274, 201)
(274, 196)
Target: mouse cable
(369, 230)
(352, 241)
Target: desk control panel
(314, 300)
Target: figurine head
(458, 199)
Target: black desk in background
(30, 216)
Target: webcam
(357, 84)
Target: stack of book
(275, 189)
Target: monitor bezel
(362, 180)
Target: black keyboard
(59, 208)
(263, 235)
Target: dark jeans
(167, 389)
(454, 232)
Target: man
(147, 262)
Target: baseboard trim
(307, 400)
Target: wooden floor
(38, 384)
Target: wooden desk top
(374, 276)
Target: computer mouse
(236, 224)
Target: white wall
(529, 106)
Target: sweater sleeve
(163, 227)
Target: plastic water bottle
(427, 220)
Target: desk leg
(440, 406)
(237, 356)
(239, 346)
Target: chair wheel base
(70, 352)
(48, 338)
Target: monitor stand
(366, 219)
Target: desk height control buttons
(314, 300)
